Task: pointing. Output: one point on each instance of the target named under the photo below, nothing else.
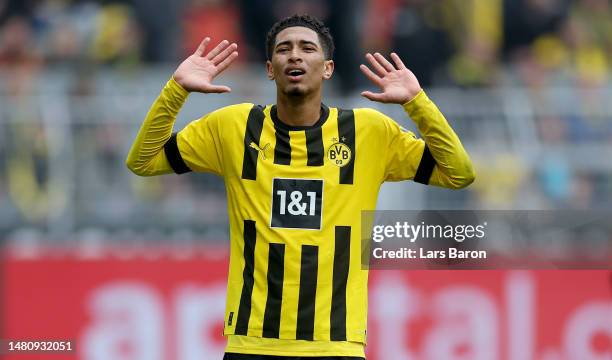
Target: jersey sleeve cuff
(413, 104)
(173, 96)
(424, 113)
(176, 88)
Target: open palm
(197, 72)
(398, 83)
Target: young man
(298, 174)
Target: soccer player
(298, 174)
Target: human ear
(269, 70)
(328, 69)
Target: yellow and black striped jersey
(295, 196)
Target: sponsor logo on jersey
(296, 203)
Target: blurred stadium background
(134, 268)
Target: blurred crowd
(557, 53)
(446, 42)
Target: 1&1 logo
(339, 154)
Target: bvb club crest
(339, 154)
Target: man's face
(298, 64)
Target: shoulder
(373, 119)
(233, 111)
(226, 116)
(369, 114)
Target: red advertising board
(165, 307)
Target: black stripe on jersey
(342, 255)
(426, 166)
(174, 156)
(276, 268)
(308, 292)
(346, 131)
(252, 134)
(314, 146)
(244, 310)
(282, 150)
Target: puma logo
(262, 151)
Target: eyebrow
(302, 42)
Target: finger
(224, 54)
(218, 89)
(377, 67)
(227, 61)
(214, 52)
(384, 62)
(373, 96)
(202, 47)
(370, 74)
(398, 62)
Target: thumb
(217, 89)
(373, 96)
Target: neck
(299, 110)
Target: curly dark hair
(325, 38)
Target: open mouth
(295, 74)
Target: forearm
(453, 165)
(146, 156)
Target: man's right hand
(197, 72)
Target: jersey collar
(282, 125)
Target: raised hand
(197, 72)
(398, 83)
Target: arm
(444, 161)
(453, 167)
(196, 73)
(146, 157)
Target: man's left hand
(398, 83)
